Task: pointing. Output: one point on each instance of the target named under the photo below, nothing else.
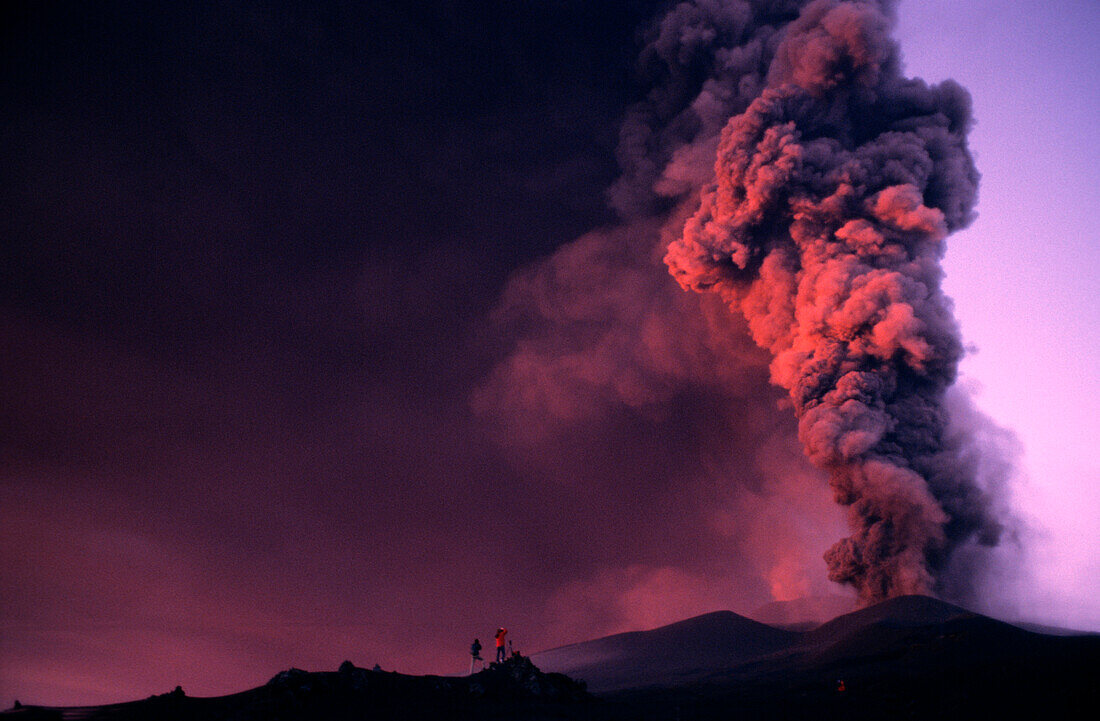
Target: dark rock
(290, 677)
(519, 678)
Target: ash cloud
(616, 380)
(652, 406)
(786, 169)
(834, 191)
(705, 62)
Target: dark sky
(321, 341)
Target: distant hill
(669, 654)
(887, 622)
(899, 641)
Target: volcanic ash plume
(824, 225)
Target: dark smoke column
(824, 226)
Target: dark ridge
(677, 651)
(514, 688)
(899, 612)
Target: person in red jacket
(501, 633)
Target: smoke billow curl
(833, 193)
(782, 162)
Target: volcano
(724, 645)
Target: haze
(280, 286)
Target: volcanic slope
(908, 657)
(667, 655)
(891, 643)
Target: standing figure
(501, 633)
(475, 654)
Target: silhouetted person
(501, 633)
(475, 654)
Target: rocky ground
(513, 689)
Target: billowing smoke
(836, 182)
(821, 225)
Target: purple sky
(301, 364)
(1023, 275)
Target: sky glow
(304, 359)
